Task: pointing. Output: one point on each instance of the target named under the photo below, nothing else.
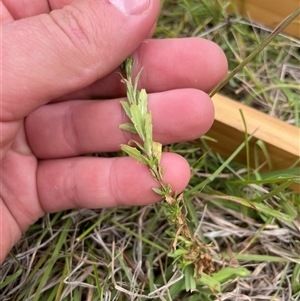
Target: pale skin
(52, 65)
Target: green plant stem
(188, 251)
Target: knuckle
(76, 27)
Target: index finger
(167, 64)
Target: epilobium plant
(189, 252)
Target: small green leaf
(137, 120)
(190, 283)
(129, 127)
(143, 103)
(157, 150)
(126, 107)
(134, 153)
(212, 283)
(158, 191)
(177, 253)
(230, 273)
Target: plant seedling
(189, 253)
(186, 249)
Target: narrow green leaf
(143, 103)
(12, 278)
(261, 145)
(126, 107)
(212, 283)
(230, 273)
(246, 143)
(134, 153)
(137, 120)
(218, 170)
(267, 210)
(129, 127)
(276, 179)
(190, 282)
(260, 207)
(158, 191)
(275, 191)
(54, 256)
(148, 135)
(157, 150)
(177, 253)
(260, 258)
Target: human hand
(56, 56)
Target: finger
(5, 16)
(28, 8)
(167, 64)
(66, 50)
(191, 62)
(78, 127)
(99, 183)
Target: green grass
(249, 218)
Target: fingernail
(131, 7)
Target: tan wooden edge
(281, 140)
(270, 13)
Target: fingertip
(135, 186)
(181, 115)
(209, 65)
(180, 63)
(177, 171)
(217, 65)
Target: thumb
(49, 55)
